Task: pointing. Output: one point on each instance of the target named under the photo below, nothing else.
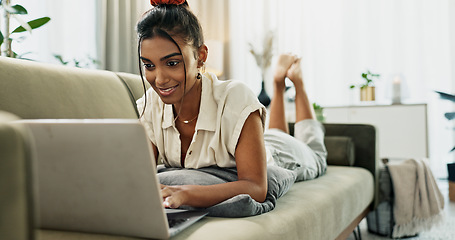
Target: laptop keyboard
(176, 221)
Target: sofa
(329, 207)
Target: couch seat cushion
(317, 209)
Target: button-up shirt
(224, 108)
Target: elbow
(260, 194)
(256, 190)
(261, 198)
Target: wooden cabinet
(402, 129)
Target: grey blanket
(279, 180)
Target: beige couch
(329, 207)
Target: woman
(196, 121)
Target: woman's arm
(251, 169)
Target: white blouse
(225, 106)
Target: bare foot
(294, 73)
(285, 61)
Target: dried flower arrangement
(264, 58)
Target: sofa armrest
(364, 139)
(365, 144)
(16, 203)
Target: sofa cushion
(340, 150)
(317, 209)
(42, 90)
(279, 180)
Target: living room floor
(444, 231)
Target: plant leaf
(450, 115)
(33, 24)
(22, 23)
(1, 38)
(60, 59)
(446, 96)
(17, 9)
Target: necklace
(178, 117)
(187, 121)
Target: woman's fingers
(173, 196)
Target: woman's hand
(174, 196)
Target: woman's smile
(167, 91)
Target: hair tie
(166, 2)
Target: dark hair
(169, 21)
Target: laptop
(99, 176)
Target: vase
(367, 93)
(263, 97)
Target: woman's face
(164, 67)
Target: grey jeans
(304, 153)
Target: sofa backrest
(134, 84)
(33, 90)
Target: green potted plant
(450, 166)
(5, 34)
(367, 89)
(319, 111)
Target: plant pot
(320, 116)
(367, 94)
(451, 171)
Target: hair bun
(166, 2)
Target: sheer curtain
(103, 30)
(116, 39)
(338, 40)
(70, 33)
(214, 18)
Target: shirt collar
(207, 110)
(168, 116)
